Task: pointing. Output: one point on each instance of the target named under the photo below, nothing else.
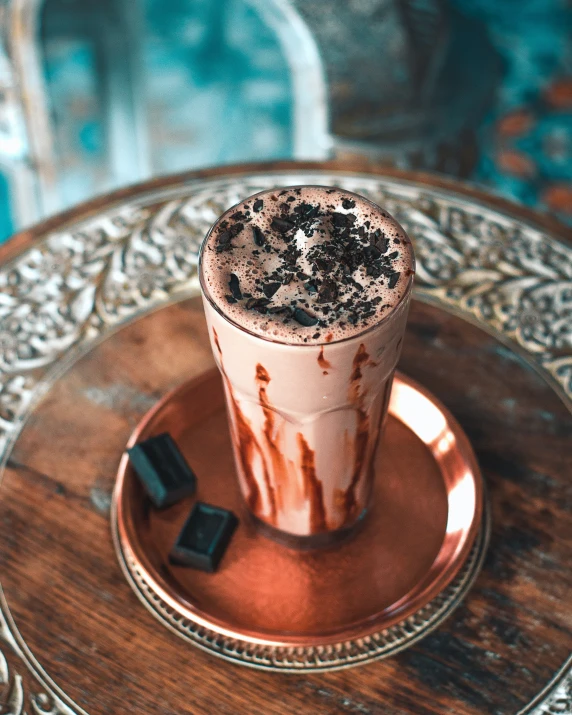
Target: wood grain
(86, 627)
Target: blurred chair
(410, 80)
(105, 95)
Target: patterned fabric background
(526, 139)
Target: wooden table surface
(77, 626)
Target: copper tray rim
(320, 659)
(428, 588)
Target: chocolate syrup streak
(361, 360)
(217, 344)
(362, 448)
(279, 469)
(313, 487)
(384, 405)
(322, 362)
(247, 445)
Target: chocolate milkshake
(306, 292)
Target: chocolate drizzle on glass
(265, 449)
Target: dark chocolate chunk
(162, 470)
(371, 253)
(382, 244)
(258, 304)
(328, 292)
(204, 538)
(291, 255)
(303, 276)
(311, 287)
(339, 220)
(393, 278)
(282, 225)
(280, 309)
(324, 264)
(259, 237)
(307, 211)
(304, 318)
(234, 286)
(258, 205)
(348, 204)
(270, 288)
(343, 220)
(225, 238)
(230, 299)
(237, 216)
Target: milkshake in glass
(306, 291)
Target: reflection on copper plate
(425, 515)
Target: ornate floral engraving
(76, 285)
(556, 699)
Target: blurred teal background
(217, 90)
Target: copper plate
(267, 600)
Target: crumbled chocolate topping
(225, 238)
(304, 318)
(393, 278)
(283, 225)
(259, 238)
(258, 304)
(327, 292)
(327, 254)
(234, 285)
(269, 289)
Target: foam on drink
(307, 264)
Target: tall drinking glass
(306, 292)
